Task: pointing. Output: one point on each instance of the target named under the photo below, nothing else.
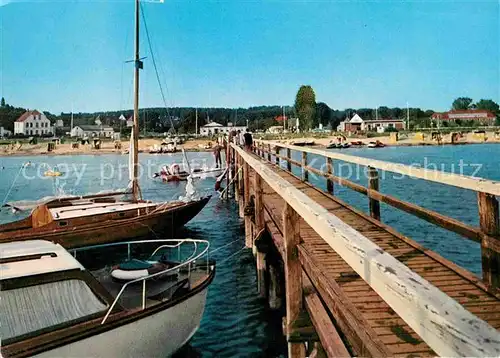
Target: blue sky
(59, 55)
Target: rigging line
(12, 185)
(223, 246)
(231, 256)
(155, 67)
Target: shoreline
(195, 146)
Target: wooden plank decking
(398, 338)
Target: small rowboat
(52, 173)
(376, 144)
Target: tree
(2, 102)
(305, 105)
(462, 103)
(489, 105)
(384, 113)
(323, 113)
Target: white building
(92, 131)
(215, 128)
(356, 123)
(4, 132)
(275, 129)
(33, 123)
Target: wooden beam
(490, 225)
(293, 275)
(241, 189)
(274, 295)
(289, 157)
(360, 335)
(277, 155)
(260, 227)
(330, 338)
(460, 181)
(446, 326)
(329, 171)
(275, 233)
(305, 173)
(269, 152)
(246, 196)
(373, 185)
(236, 184)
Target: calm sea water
(236, 322)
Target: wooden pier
(351, 285)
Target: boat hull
(157, 335)
(107, 228)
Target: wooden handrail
(447, 327)
(460, 181)
(433, 217)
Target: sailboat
(78, 221)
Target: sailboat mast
(135, 128)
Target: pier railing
(448, 328)
(487, 234)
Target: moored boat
(75, 222)
(376, 144)
(91, 219)
(53, 306)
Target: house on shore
(214, 128)
(93, 131)
(356, 123)
(4, 132)
(33, 123)
(480, 116)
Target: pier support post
(269, 152)
(229, 173)
(274, 296)
(373, 185)
(241, 188)
(490, 226)
(236, 184)
(305, 173)
(246, 198)
(260, 226)
(288, 163)
(329, 170)
(293, 275)
(276, 155)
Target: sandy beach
(107, 147)
(413, 139)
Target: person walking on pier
(217, 150)
(248, 141)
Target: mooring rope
(231, 182)
(223, 246)
(231, 256)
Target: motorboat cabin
(146, 306)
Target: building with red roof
(33, 123)
(478, 115)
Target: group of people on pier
(242, 139)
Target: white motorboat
(52, 306)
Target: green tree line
(183, 119)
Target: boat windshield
(29, 309)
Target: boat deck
(157, 289)
(76, 211)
